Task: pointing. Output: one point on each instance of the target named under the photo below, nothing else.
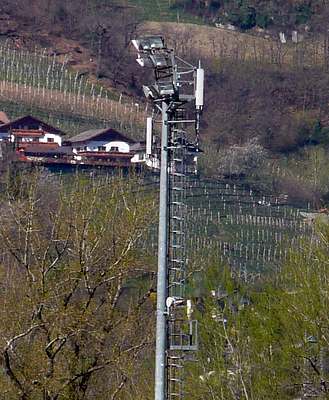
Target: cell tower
(178, 84)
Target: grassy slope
(215, 43)
(212, 42)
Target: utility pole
(161, 335)
(177, 84)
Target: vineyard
(36, 82)
(250, 231)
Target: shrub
(243, 17)
(263, 20)
(235, 161)
(303, 13)
(320, 134)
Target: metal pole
(161, 328)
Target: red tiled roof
(49, 149)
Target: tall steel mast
(177, 83)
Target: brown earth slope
(212, 42)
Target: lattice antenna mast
(177, 83)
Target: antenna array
(177, 83)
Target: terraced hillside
(37, 84)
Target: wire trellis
(250, 231)
(37, 80)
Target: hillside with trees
(69, 250)
(258, 89)
(269, 340)
(77, 253)
(264, 14)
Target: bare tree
(68, 330)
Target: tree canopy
(68, 250)
(268, 341)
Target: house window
(50, 140)
(114, 148)
(101, 148)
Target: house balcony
(111, 159)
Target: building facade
(29, 130)
(105, 140)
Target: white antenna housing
(135, 44)
(189, 309)
(199, 88)
(149, 135)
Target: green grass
(164, 11)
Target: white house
(101, 141)
(30, 130)
(139, 150)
